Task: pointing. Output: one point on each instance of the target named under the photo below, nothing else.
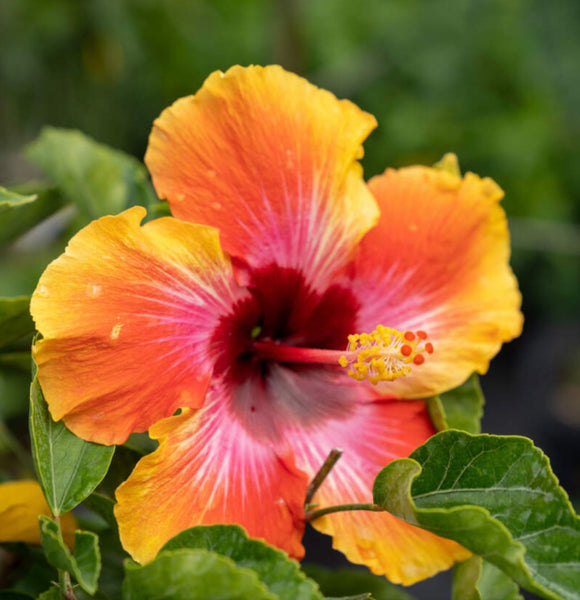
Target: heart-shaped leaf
(495, 495)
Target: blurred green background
(495, 81)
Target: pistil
(272, 350)
(385, 354)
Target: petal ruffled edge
(127, 314)
(271, 160)
(208, 470)
(374, 435)
(438, 262)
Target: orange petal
(126, 314)
(271, 160)
(373, 436)
(21, 503)
(438, 262)
(208, 470)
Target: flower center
(385, 354)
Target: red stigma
(422, 335)
(409, 336)
(419, 359)
(429, 347)
(406, 350)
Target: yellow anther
(385, 354)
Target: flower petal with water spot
(125, 315)
(209, 470)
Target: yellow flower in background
(21, 503)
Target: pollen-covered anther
(385, 354)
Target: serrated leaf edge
(408, 511)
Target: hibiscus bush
(244, 337)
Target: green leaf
(88, 560)
(84, 564)
(351, 581)
(11, 204)
(112, 553)
(190, 574)
(494, 584)
(465, 578)
(461, 408)
(68, 468)
(10, 200)
(15, 319)
(281, 575)
(19, 212)
(98, 179)
(495, 495)
(477, 579)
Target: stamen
(384, 354)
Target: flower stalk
(322, 474)
(311, 515)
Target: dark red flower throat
(284, 310)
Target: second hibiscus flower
(238, 311)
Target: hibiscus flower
(224, 330)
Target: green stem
(311, 515)
(64, 580)
(322, 474)
(66, 588)
(320, 512)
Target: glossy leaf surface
(281, 575)
(68, 468)
(498, 497)
(461, 408)
(96, 178)
(189, 574)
